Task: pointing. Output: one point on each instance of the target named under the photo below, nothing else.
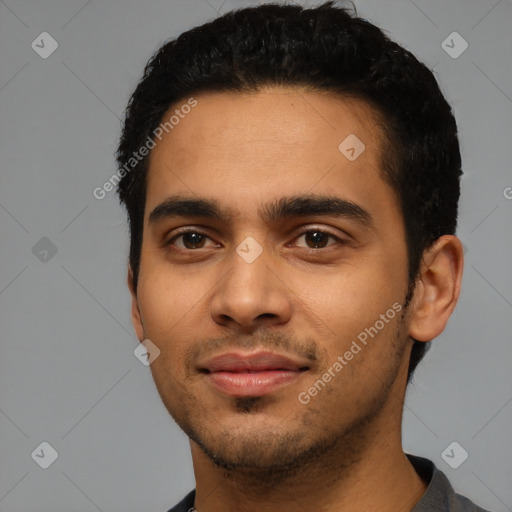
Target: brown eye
(193, 240)
(316, 239)
(190, 240)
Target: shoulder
(439, 495)
(186, 504)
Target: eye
(191, 240)
(317, 239)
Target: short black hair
(329, 49)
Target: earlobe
(437, 289)
(135, 311)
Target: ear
(437, 288)
(136, 316)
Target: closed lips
(256, 362)
(251, 375)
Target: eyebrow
(177, 206)
(283, 208)
(312, 205)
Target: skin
(341, 451)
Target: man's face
(272, 283)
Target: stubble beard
(265, 460)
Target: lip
(252, 374)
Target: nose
(251, 295)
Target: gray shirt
(439, 496)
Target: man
(291, 178)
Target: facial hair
(271, 457)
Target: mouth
(254, 374)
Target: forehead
(278, 141)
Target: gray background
(68, 375)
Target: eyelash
(338, 240)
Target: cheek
(167, 307)
(166, 301)
(346, 302)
